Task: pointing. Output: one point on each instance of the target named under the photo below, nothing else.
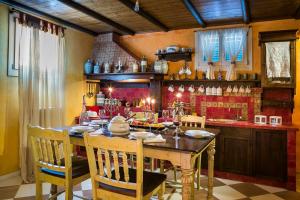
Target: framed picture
(12, 66)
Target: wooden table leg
(211, 152)
(187, 183)
(53, 190)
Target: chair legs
(38, 189)
(161, 191)
(69, 187)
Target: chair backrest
(193, 121)
(50, 147)
(103, 149)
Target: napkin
(97, 132)
(158, 138)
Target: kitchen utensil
(248, 90)
(235, 89)
(242, 89)
(214, 90)
(201, 89)
(208, 90)
(181, 88)
(229, 89)
(171, 88)
(219, 91)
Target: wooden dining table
(182, 153)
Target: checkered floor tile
(223, 190)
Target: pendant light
(137, 6)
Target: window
(224, 46)
(216, 50)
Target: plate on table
(198, 133)
(141, 135)
(81, 129)
(99, 121)
(167, 123)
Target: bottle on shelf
(84, 116)
(144, 64)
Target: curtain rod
(223, 27)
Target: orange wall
(147, 44)
(78, 49)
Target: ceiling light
(137, 6)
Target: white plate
(198, 133)
(141, 135)
(167, 123)
(81, 129)
(100, 121)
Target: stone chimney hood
(107, 48)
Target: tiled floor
(223, 190)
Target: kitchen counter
(247, 124)
(259, 151)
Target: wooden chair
(53, 162)
(114, 179)
(192, 122)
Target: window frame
(222, 64)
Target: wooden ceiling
(98, 16)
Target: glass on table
(102, 115)
(150, 119)
(165, 115)
(177, 130)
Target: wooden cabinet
(270, 154)
(236, 150)
(251, 152)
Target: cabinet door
(236, 150)
(271, 154)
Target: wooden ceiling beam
(97, 16)
(33, 11)
(189, 5)
(245, 11)
(145, 14)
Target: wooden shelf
(252, 83)
(176, 56)
(130, 77)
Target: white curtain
(206, 42)
(234, 41)
(41, 95)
